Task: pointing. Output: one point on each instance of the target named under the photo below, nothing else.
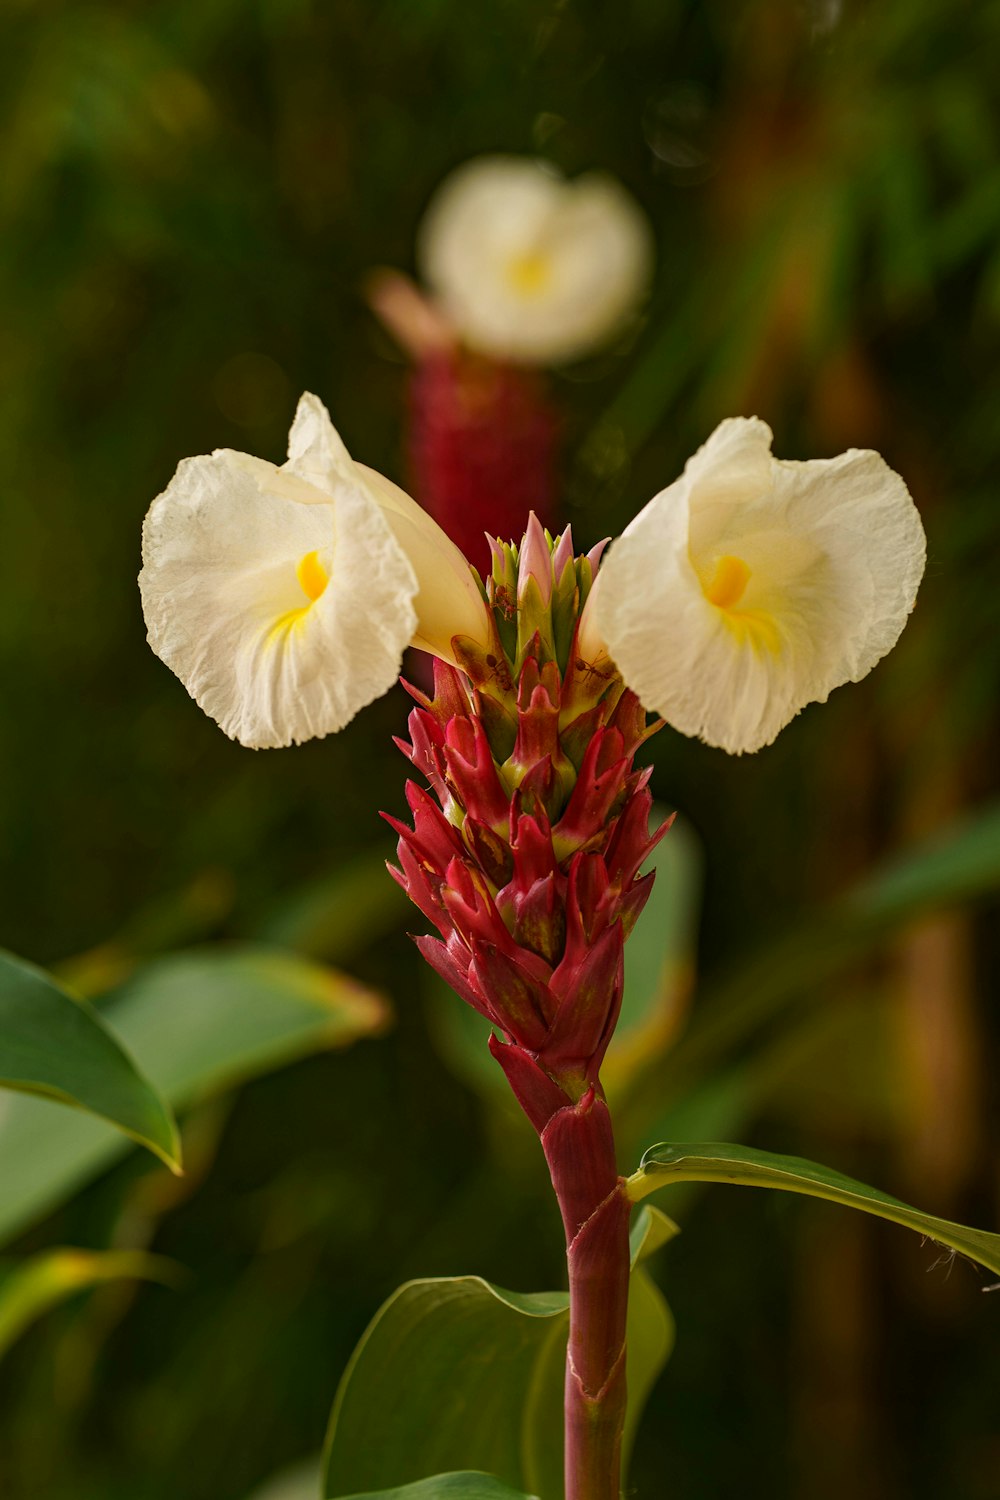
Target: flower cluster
(528, 861)
(284, 598)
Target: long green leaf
(53, 1045)
(457, 1373)
(957, 865)
(666, 1164)
(466, 1486)
(30, 1288)
(198, 1022)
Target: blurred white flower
(532, 268)
(284, 598)
(751, 586)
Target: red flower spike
(631, 843)
(538, 918)
(531, 845)
(538, 793)
(454, 974)
(518, 1001)
(419, 883)
(629, 718)
(534, 1090)
(630, 906)
(528, 861)
(472, 774)
(589, 994)
(468, 903)
(600, 783)
(538, 701)
(492, 852)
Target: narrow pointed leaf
(666, 1164)
(34, 1286)
(959, 864)
(198, 1022)
(53, 1045)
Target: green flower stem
(579, 1149)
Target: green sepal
(564, 614)
(535, 633)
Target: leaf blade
(36, 1285)
(197, 1022)
(467, 1485)
(746, 1167)
(458, 1374)
(58, 1047)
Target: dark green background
(191, 192)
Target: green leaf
(31, 1287)
(199, 1022)
(464, 1486)
(957, 865)
(451, 1373)
(666, 1164)
(457, 1373)
(339, 915)
(53, 1045)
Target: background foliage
(190, 196)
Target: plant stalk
(579, 1148)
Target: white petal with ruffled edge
(530, 267)
(448, 602)
(752, 586)
(275, 660)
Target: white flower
(530, 267)
(751, 586)
(284, 598)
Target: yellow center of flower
(725, 589)
(313, 577)
(530, 274)
(728, 582)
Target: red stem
(579, 1148)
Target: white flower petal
(751, 587)
(223, 547)
(448, 603)
(530, 267)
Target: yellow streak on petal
(313, 577)
(531, 273)
(755, 627)
(728, 582)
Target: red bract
(527, 863)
